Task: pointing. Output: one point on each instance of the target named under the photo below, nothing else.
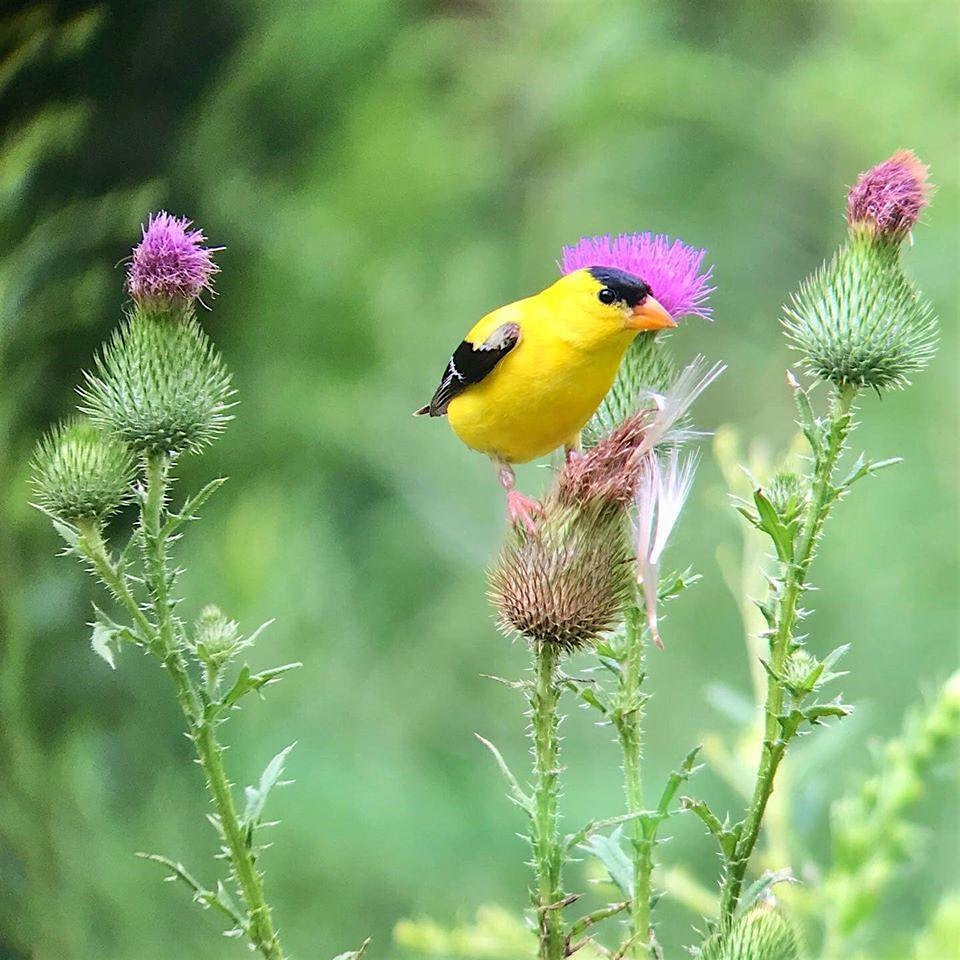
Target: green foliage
(859, 322)
(81, 474)
(159, 384)
(871, 835)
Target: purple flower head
(887, 199)
(671, 270)
(170, 262)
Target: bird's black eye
(606, 295)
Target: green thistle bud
(159, 384)
(568, 582)
(215, 638)
(858, 320)
(787, 495)
(801, 672)
(81, 474)
(764, 933)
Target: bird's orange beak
(650, 315)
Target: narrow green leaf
(256, 797)
(771, 524)
(247, 681)
(515, 792)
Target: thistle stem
(628, 719)
(822, 496)
(545, 831)
(200, 715)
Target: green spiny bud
(79, 473)
(801, 672)
(787, 495)
(215, 638)
(764, 933)
(159, 384)
(567, 582)
(648, 367)
(859, 321)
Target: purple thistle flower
(888, 199)
(671, 269)
(170, 262)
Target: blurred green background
(381, 174)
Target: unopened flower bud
(81, 474)
(159, 385)
(800, 672)
(568, 582)
(764, 933)
(215, 637)
(787, 495)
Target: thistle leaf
(609, 851)
(256, 797)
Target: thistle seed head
(170, 263)
(568, 582)
(609, 471)
(159, 385)
(79, 473)
(887, 200)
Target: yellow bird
(529, 375)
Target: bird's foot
(521, 509)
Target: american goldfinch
(529, 375)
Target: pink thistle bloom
(170, 262)
(672, 270)
(660, 496)
(888, 199)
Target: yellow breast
(541, 394)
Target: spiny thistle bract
(159, 384)
(79, 473)
(568, 582)
(764, 933)
(858, 321)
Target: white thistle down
(672, 405)
(660, 498)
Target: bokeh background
(381, 173)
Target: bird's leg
(519, 508)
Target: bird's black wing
(469, 364)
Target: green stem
(545, 832)
(822, 497)
(200, 717)
(628, 719)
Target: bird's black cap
(632, 290)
